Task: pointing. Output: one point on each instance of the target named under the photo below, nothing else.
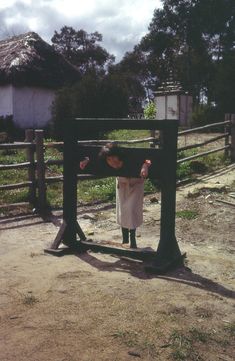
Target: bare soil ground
(95, 307)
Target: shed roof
(169, 88)
(26, 59)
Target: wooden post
(42, 201)
(72, 227)
(168, 249)
(233, 137)
(70, 189)
(226, 139)
(29, 137)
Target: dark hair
(111, 149)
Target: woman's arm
(145, 168)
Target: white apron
(129, 202)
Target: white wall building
(30, 73)
(29, 106)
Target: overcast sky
(121, 22)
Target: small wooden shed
(30, 73)
(173, 103)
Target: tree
(223, 84)
(113, 97)
(82, 49)
(189, 38)
(92, 97)
(134, 73)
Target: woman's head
(113, 155)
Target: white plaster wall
(32, 106)
(6, 102)
(167, 107)
(172, 107)
(161, 107)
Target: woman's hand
(145, 169)
(84, 163)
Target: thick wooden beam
(135, 157)
(131, 253)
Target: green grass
(183, 344)
(13, 176)
(230, 328)
(129, 338)
(125, 134)
(138, 341)
(201, 165)
(88, 191)
(183, 170)
(91, 190)
(12, 156)
(14, 196)
(29, 299)
(187, 214)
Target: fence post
(42, 201)
(233, 137)
(226, 139)
(29, 137)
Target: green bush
(150, 110)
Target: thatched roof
(28, 60)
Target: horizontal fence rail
(15, 166)
(191, 146)
(37, 166)
(208, 126)
(13, 205)
(202, 154)
(18, 145)
(103, 142)
(15, 186)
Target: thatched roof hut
(27, 60)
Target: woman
(129, 191)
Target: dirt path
(100, 307)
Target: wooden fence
(229, 131)
(36, 164)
